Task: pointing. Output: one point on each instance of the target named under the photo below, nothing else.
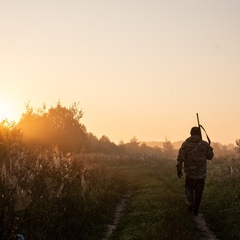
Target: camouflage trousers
(194, 189)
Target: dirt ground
(199, 220)
(203, 228)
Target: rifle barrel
(199, 126)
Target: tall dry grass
(48, 195)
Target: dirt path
(199, 220)
(203, 228)
(118, 215)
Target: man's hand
(179, 173)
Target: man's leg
(199, 186)
(189, 186)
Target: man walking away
(194, 154)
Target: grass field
(46, 195)
(157, 209)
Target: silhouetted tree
(58, 126)
(92, 143)
(133, 145)
(134, 140)
(106, 146)
(146, 149)
(168, 149)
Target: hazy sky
(140, 68)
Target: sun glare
(7, 110)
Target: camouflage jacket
(194, 153)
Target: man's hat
(195, 131)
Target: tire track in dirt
(203, 228)
(199, 220)
(118, 215)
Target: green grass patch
(221, 206)
(157, 209)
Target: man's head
(195, 131)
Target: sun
(7, 109)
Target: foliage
(222, 151)
(49, 195)
(61, 126)
(10, 139)
(222, 198)
(58, 126)
(168, 149)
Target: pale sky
(140, 68)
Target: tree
(58, 126)
(92, 143)
(121, 146)
(168, 148)
(106, 146)
(133, 145)
(134, 140)
(144, 148)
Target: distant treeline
(220, 150)
(62, 126)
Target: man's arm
(210, 153)
(180, 161)
(180, 158)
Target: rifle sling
(209, 141)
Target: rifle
(200, 126)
